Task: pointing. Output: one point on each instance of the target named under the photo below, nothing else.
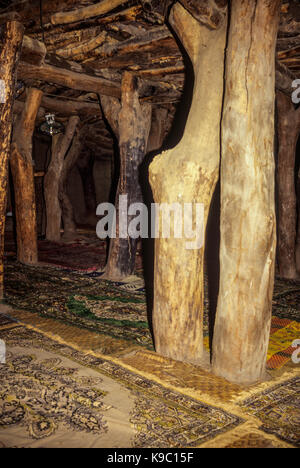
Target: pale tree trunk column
(248, 226)
(23, 178)
(134, 123)
(11, 35)
(188, 174)
(288, 131)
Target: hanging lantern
(50, 127)
(20, 87)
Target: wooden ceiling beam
(91, 11)
(138, 43)
(68, 78)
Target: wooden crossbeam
(91, 11)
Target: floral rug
(119, 309)
(278, 410)
(54, 396)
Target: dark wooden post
(133, 127)
(65, 203)
(60, 146)
(11, 35)
(23, 178)
(248, 225)
(288, 131)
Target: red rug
(75, 256)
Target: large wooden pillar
(134, 123)
(188, 174)
(248, 225)
(288, 132)
(60, 146)
(23, 178)
(11, 35)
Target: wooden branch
(286, 43)
(128, 15)
(161, 71)
(292, 52)
(70, 79)
(82, 49)
(68, 107)
(91, 11)
(33, 51)
(284, 79)
(134, 44)
(65, 107)
(163, 53)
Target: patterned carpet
(119, 310)
(52, 392)
(53, 395)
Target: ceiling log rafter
(88, 45)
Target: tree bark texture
(288, 132)
(23, 179)
(60, 147)
(133, 128)
(11, 35)
(248, 225)
(188, 174)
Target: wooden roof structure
(76, 49)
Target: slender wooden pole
(134, 128)
(11, 35)
(23, 179)
(65, 203)
(188, 174)
(60, 146)
(248, 224)
(288, 131)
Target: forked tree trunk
(60, 146)
(134, 127)
(248, 225)
(288, 131)
(23, 179)
(65, 202)
(188, 174)
(11, 35)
